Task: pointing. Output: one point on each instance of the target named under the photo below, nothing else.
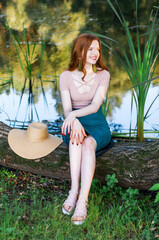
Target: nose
(95, 51)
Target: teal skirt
(96, 126)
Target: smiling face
(86, 52)
(93, 53)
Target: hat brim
(25, 148)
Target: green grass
(30, 208)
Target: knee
(89, 144)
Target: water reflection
(52, 20)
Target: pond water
(58, 23)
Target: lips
(93, 58)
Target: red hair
(79, 51)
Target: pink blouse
(82, 93)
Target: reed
(26, 59)
(5, 80)
(140, 66)
(26, 55)
(10, 70)
(105, 106)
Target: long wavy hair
(79, 53)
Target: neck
(88, 68)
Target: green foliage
(26, 59)
(130, 207)
(10, 71)
(95, 186)
(5, 173)
(148, 235)
(139, 62)
(155, 187)
(141, 65)
(111, 180)
(32, 210)
(26, 54)
(110, 190)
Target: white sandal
(80, 212)
(70, 203)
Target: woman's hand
(68, 123)
(77, 133)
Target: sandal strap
(81, 209)
(71, 199)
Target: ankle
(74, 190)
(83, 198)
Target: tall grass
(26, 55)
(27, 52)
(140, 66)
(26, 60)
(139, 62)
(105, 106)
(6, 81)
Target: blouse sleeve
(64, 81)
(104, 80)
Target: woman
(83, 88)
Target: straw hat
(35, 142)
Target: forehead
(95, 44)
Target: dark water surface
(59, 22)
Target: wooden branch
(135, 164)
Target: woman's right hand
(77, 133)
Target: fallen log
(135, 164)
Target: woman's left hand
(68, 123)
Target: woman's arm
(66, 102)
(95, 105)
(78, 131)
(67, 109)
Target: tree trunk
(135, 164)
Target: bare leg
(75, 164)
(75, 169)
(87, 173)
(88, 166)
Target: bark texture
(135, 164)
